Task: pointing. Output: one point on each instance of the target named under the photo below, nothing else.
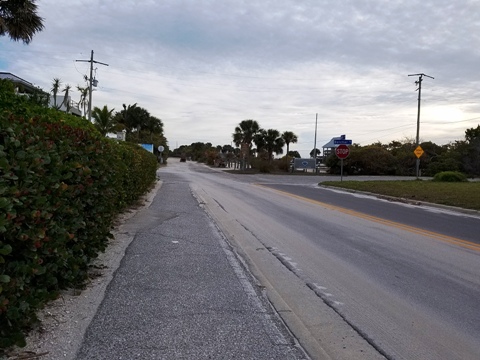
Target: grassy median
(465, 195)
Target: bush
(283, 164)
(60, 189)
(450, 176)
(264, 166)
(133, 172)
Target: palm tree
(134, 118)
(289, 138)
(273, 143)
(154, 125)
(55, 88)
(315, 153)
(66, 98)
(83, 102)
(19, 19)
(259, 140)
(245, 131)
(103, 119)
(243, 136)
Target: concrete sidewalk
(181, 293)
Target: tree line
(246, 134)
(136, 122)
(393, 158)
(397, 157)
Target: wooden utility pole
(90, 86)
(417, 141)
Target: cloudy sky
(202, 66)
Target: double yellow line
(444, 238)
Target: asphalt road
(357, 277)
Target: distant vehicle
(183, 158)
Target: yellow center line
(444, 238)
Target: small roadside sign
(342, 142)
(342, 151)
(418, 151)
(148, 147)
(303, 163)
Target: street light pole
(417, 139)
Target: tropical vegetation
(103, 120)
(289, 138)
(137, 123)
(243, 137)
(244, 156)
(61, 185)
(19, 20)
(397, 157)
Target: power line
(450, 122)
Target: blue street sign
(342, 142)
(148, 147)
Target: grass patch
(465, 195)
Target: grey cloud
(270, 59)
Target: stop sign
(342, 151)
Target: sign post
(342, 151)
(160, 150)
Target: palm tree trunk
(288, 145)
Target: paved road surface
(404, 279)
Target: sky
(203, 66)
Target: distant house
(23, 87)
(74, 109)
(329, 148)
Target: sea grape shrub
(60, 190)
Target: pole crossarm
(421, 75)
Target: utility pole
(417, 141)
(91, 61)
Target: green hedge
(22, 106)
(450, 176)
(61, 187)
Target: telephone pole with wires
(92, 82)
(417, 142)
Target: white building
(23, 87)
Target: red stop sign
(342, 151)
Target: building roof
(27, 86)
(330, 144)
